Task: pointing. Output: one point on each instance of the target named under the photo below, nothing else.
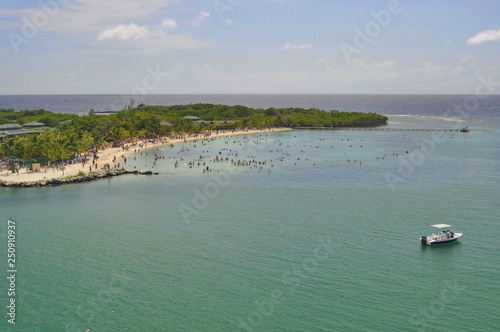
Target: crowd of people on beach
(261, 152)
(91, 157)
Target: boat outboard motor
(423, 239)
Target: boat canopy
(441, 225)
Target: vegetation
(279, 117)
(74, 134)
(21, 117)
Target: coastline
(70, 172)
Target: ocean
(435, 105)
(312, 231)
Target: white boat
(445, 236)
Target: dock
(463, 130)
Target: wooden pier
(463, 130)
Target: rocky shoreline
(72, 179)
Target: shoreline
(70, 172)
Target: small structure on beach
(35, 167)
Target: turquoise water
(314, 241)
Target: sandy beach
(106, 156)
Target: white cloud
(90, 16)
(484, 36)
(148, 39)
(169, 24)
(448, 70)
(125, 32)
(289, 46)
(426, 73)
(466, 60)
(196, 22)
(358, 64)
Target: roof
(194, 118)
(34, 124)
(8, 126)
(21, 131)
(166, 123)
(219, 122)
(441, 225)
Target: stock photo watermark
(291, 279)
(221, 7)
(150, 82)
(211, 190)
(31, 26)
(409, 163)
(11, 271)
(87, 312)
(426, 317)
(365, 36)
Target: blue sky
(247, 46)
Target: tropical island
(41, 137)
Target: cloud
(125, 32)
(89, 16)
(196, 22)
(157, 42)
(289, 46)
(148, 39)
(484, 36)
(360, 65)
(169, 24)
(426, 73)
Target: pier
(463, 130)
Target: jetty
(463, 130)
(102, 174)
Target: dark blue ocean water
(430, 105)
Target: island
(32, 140)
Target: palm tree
(118, 134)
(85, 141)
(23, 147)
(98, 140)
(57, 151)
(70, 140)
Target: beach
(114, 156)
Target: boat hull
(435, 242)
(436, 239)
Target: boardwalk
(464, 130)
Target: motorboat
(444, 236)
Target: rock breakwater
(72, 179)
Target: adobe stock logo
(364, 37)
(223, 6)
(31, 26)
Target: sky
(142, 47)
